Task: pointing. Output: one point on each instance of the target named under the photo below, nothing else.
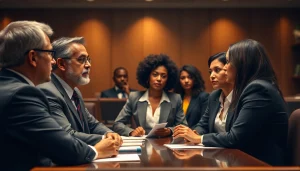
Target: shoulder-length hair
(199, 84)
(251, 62)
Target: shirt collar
(116, 88)
(145, 97)
(67, 88)
(23, 76)
(228, 98)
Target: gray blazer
(65, 113)
(171, 112)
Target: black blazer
(196, 109)
(111, 93)
(29, 135)
(65, 113)
(258, 126)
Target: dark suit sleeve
(203, 105)
(256, 104)
(123, 118)
(95, 126)
(103, 95)
(179, 116)
(58, 106)
(202, 126)
(29, 121)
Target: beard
(78, 79)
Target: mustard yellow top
(185, 105)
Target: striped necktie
(75, 98)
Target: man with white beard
(67, 106)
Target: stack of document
(130, 149)
(133, 141)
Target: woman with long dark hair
(258, 123)
(191, 88)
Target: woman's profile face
(230, 70)
(158, 78)
(186, 80)
(217, 74)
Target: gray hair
(62, 47)
(19, 37)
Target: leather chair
(293, 157)
(91, 107)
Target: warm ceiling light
(148, 0)
(90, 0)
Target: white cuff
(94, 151)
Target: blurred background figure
(191, 88)
(121, 88)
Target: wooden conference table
(163, 158)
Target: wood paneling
(123, 37)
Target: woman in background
(158, 74)
(191, 88)
(258, 124)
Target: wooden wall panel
(123, 37)
(195, 41)
(228, 26)
(128, 42)
(162, 33)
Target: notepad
(186, 146)
(134, 138)
(132, 144)
(120, 158)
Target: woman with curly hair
(158, 74)
(191, 88)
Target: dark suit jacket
(258, 126)
(28, 132)
(65, 113)
(111, 93)
(196, 109)
(206, 123)
(169, 112)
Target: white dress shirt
(151, 119)
(120, 95)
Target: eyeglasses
(50, 52)
(81, 60)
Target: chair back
(293, 157)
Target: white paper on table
(186, 146)
(156, 126)
(132, 144)
(134, 138)
(120, 158)
(133, 141)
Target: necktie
(123, 95)
(75, 98)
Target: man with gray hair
(66, 102)
(29, 135)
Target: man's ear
(32, 58)
(61, 64)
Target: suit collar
(145, 97)
(60, 88)
(66, 87)
(18, 75)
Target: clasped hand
(186, 133)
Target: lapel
(69, 102)
(215, 106)
(141, 112)
(191, 106)
(83, 111)
(165, 109)
(229, 119)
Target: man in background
(30, 136)
(121, 88)
(66, 103)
